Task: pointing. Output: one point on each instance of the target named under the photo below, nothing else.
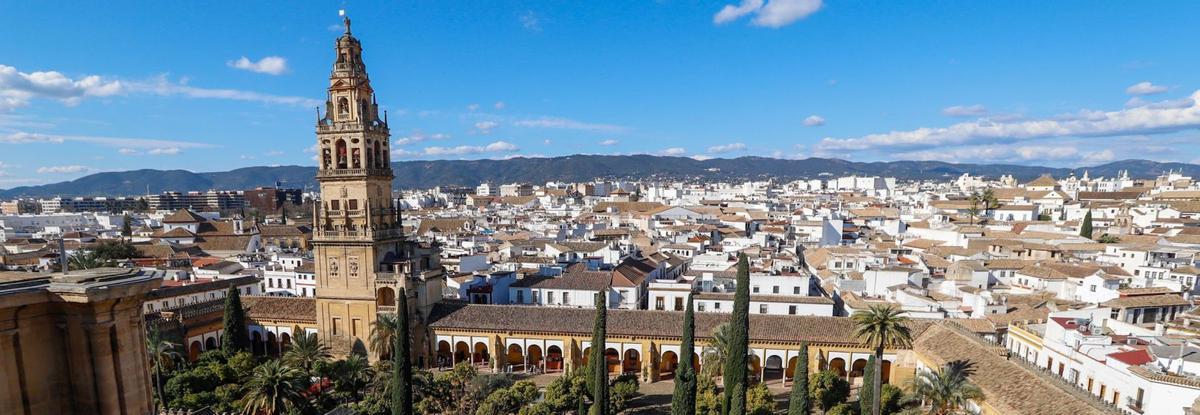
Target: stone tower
(362, 256)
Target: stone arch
(885, 373)
(632, 361)
(480, 354)
(385, 296)
(773, 369)
(790, 372)
(838, 365)
(534, 357)
(210, 343)
(285, 342)
(587, 355)
(462, 352)
(754, 364)
(515, 357)
(340, 151)
(444, 355)
(272, 344)
(612, 359)
(668, 364)
(256, 343)
(326, 158)
(857, 369)
(378, 156)
(194, 350)
(343, 106)
(554, 359)
(356, 157)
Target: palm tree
(305, 352)
(274, 389)
(354, 374)
(86, 260)
(883, 325)
(382, 333)
(162, 352)
(717, 351)
(974, 209)
(947, 390)
(989, 199)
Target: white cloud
(726, 148)
(1145, 88)
(127, 151)
(118, 142)
(485, 127)
(64, 169)
(730, 12)
(1099, 156)
(271, 65)
(498, 105)
(495, 147)
(17, 88)
(965, 111)
(472, 107)
(1149, 119)
(567, 124)
(417, 137)
(164, 151)
(814, 121)
(701, 157)
(773, 13)
(673, 151)
(163, 87)
(530, 20)
(609, 142)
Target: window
(566, 297)
(678, 303)
(1093, 288)
(716, 306)
(796, 290)
(270, 283)
(755, 289)
(658, 303)
(775, 290)
(352, 204)
(550, 297)
(700, 306)
(334, 326)
(335, 204)
(354, 327)
(792, 309)
(520, 297)
(762, 309)
(535, 297)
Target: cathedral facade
(362, 257)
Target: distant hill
(576, 168)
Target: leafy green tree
(828, 389)
(126, 226)
(598, 360)
(882, 325)
(683, 401)
(235, 339)
(1108, 239)
(739, 325)
(708, 398)
(622, 389)
(509, 400)
(565, 392)
(306, 352)
(112, 251)
(892, 399)
(274, 389)
(162, 353)
(352, 375)
(1085, 230)
(798, 403)
(402, 393)
(759, 400)
(843, 409)
(947, 390)
(865, 399)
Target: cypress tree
(599, 360)
(683, 401)
(235, 339)
(402, 394)
(866, 396)
(798, 403)
(1085, 230)
(126, 227)
(739, 326)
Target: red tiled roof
(1133, 357)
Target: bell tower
(362, 258)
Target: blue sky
(90, 87)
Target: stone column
(105, 375)
(10, 394)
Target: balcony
(386, 309)
(340, 173)
(356, 234)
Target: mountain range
(574, 168)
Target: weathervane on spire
(345, 19)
